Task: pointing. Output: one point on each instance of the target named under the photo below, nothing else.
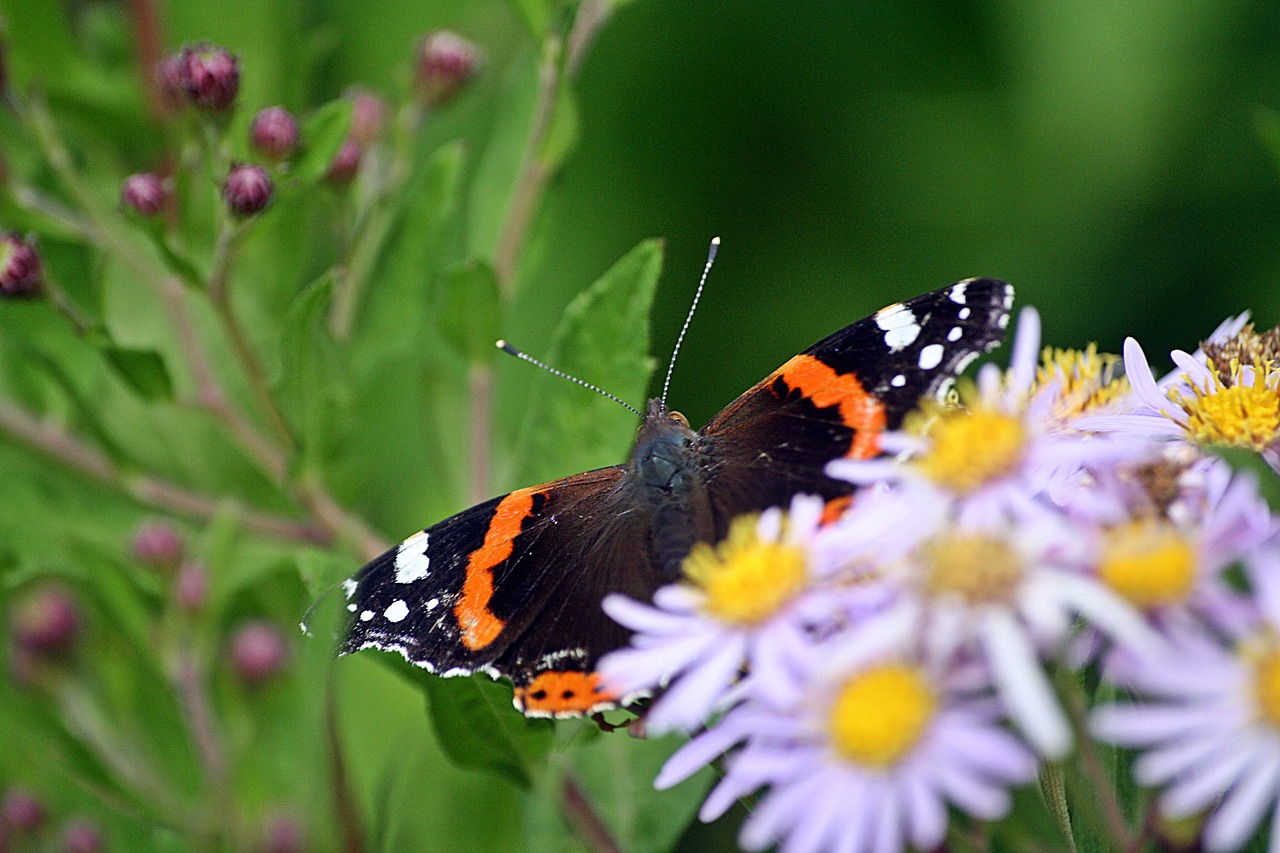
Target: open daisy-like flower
(877, 741)
(738, 606)
(1226, 395)
(1208, 729)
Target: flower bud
(21, 812)
(19, 267)
(282, 834)
(191, 587)
(47, 621)
(445, 63)
(247, 190)
(144, 193)
(258, 652)
(275, 133)
(345, 163)
(157, 544)
(168, 76)
(209, 75)
(368, 117)
(81, 836)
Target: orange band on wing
(824, 387)
(479, 626)
(561, 693)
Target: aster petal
(1196, 372)
(1023, 685)
(888, 825)
(1177, 757)
(859, 826)
(704, 748)
(986, 749)
(1026, 353)
(863, 472)
(1138, 371)
(653, 664)
(973, 794)
(778, 811)
(691, 698)
(678, 598)
(1234, 821)
(820, 828)
(1192, 793)
(642, 617)
(926, 813)
(1109, 612)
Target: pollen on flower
(745, 578)
(1261, 652)
(1148, 563)
(1087, 380)
(881, 713)
(970, 447)
(976, 568)
(1240, 409)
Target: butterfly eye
(679, 418)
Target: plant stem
(66, 448)
(1091, 763)
(585, 822)
(346, 811)
(479, 398)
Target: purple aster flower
(875, 743)
(1208, 729)
(742, 604)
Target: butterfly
(512, 587)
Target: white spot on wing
(898, 381)
(432, 604)
(366, 616)
(412, 562)
(955, 334)
(964, 313)
(351, 608)
(349, 588)
(931, 356)
(898, 324)
(396, 611)
(957, 291)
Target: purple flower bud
(368, 117)
(169, 81)
(282, 834)
(209, 75)
(191, 587)
(446, 62)
(275, 133)
(345, 163)
(21, 812)
(81, 836)
(19, 267)
(145, 193)
(247, 189)
(158, 545)
(258, 652)
(47, 622)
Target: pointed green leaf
(143, 370)
(312, 388)
(322, 135)
(537, 15)
(603, 338)
(470, 311)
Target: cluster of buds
(202, 75)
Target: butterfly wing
(837, 397)
(512, 587)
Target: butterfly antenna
(702, 282)
(524, 356)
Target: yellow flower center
(1266, 685)
(746, 580)
(1086, 379)
(970, 447)
(880, 714)
(977, 568)
(1148, 563)
(1235, 414)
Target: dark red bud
(446, 62)
(258, 652)
(47, 622)
(81, 836)
(345, 163)
(368, 117)
(210, 75)
(247, 190)
(21, 812)
(158, 545)
(145, 193)
(275, 133)
(19, 267)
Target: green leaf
(536, 14)
(312, 388)
(143, 370)
(603, 337)
(322, 135)
(470, 310)
(478, 728)
(562, 134)
(1252, 464)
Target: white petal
(1024, 686)
(1234, 820)
(1193, 793)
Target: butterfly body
(512, 586)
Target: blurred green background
(1115, 161)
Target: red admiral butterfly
(512, 586)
